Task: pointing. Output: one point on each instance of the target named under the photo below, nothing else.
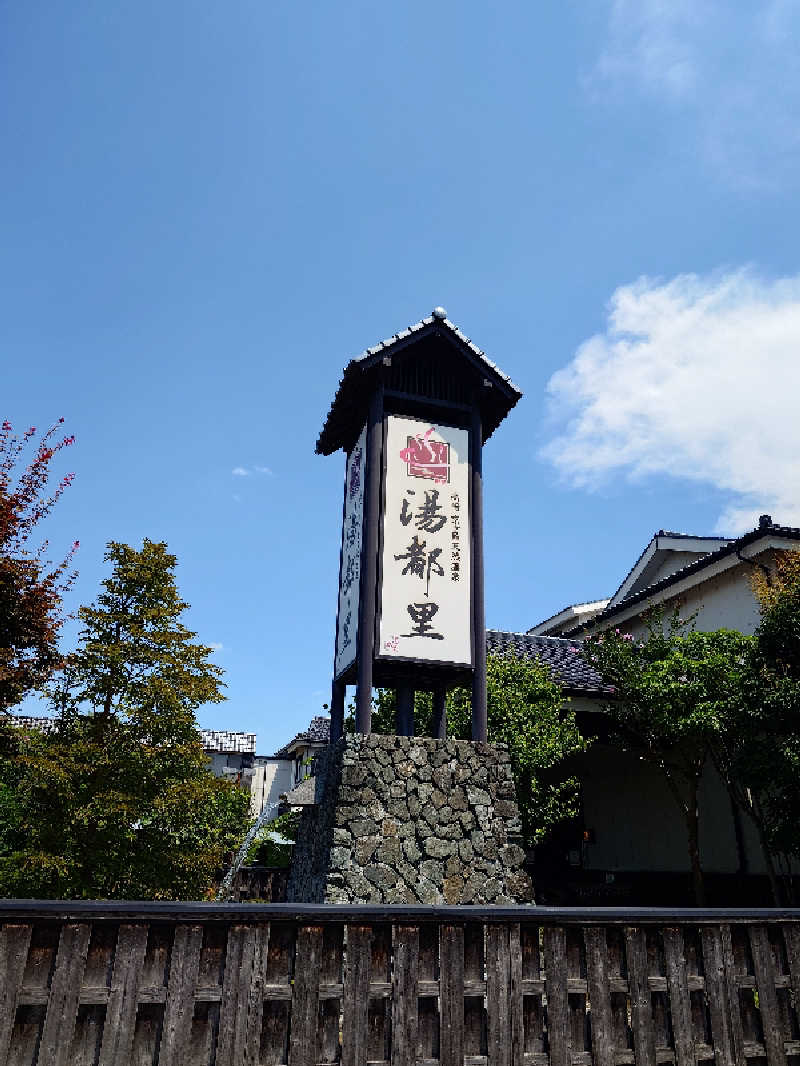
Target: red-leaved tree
(31, 585)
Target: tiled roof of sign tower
(348, 410)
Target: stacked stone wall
(410, 820)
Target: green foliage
(771, 763)
(675, 691)
(266, 851)
(119, 800)
(681, 699)
(779, 628)
(526, 712)
(686, 697)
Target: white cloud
(243, 471)
(654, 42)
(216, 645)
(698, 378)
(729, 70)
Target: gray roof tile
(564, 657)
(318, 732)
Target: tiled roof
(349, 397)
(225, 740)
(222, 740)
(732, 547)
(688, 536)
(34, 721)
(564, 657)
(318, 732)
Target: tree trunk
(743, 799)
(691, 817)
(769, 862)
(693, 840)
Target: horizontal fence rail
(124, 984)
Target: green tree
(771, 765)
(31, 586)
(680, 701)
(526, 711)
(118, 801)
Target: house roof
(218, 740)
(318, 732)
(225, 740)
(359, 379)
(765, 530)
(656, 551)
(564, 657)
(572, 612)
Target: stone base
(410, 820)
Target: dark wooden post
(439, 730)
(404, 715)
(478, 606)
(366, 610)
(337, 710)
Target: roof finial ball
(439, 312)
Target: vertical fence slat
(242, 1004)
(123, 998)
(14, 943)
(498, 995)
(791, 938)
(428, 1006)
(767, 997)
(329, 1037)
(474, 975)
(558, 1031)
(238, 958)
(355, 1029)
(305, 996)
(515, 992)
(379, 1015)
(451, 995)
(179, 1010)
(404, 996)
(532, 1021)
(255, 996)
(678, 987)
(644, 1041)
(65, 989)
(599, 996)
(717, 998)
(732, 994)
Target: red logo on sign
(427, 458)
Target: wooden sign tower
(412, 415)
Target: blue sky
(206, 210)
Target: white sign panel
(425, 575)
(350, 573)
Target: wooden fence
(266, 884)
(237, 985)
